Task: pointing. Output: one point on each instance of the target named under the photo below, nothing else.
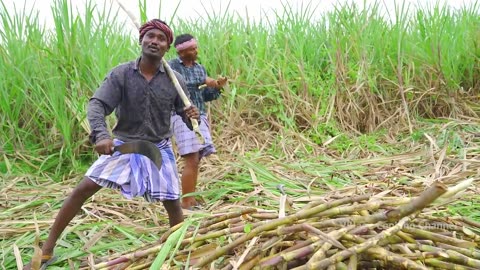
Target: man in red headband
(142, 95)
(188, 145)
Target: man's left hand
(192, 112)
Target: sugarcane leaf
(166, 249)
(247, 228)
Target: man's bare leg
(174, 210)
(189, 179)
(69, 210)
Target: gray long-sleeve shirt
(143, 109)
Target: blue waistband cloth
(136, 175)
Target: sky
(193, 9)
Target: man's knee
(192, 159)
(172, 204)
(87, 187)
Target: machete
(144, 148)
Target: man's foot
(46, 261)
(189, 203)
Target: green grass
(346, 71)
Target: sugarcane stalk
(285, 244)
(197, 252)
(301, 252)
(364, 229)
(128, 257)
(392, 240)
(331, 252)
(440, 232)
(218, 225)
(345, 254)
(140, 266)
(278, 222)
(231, 230)
(423, 200)
(439, 238)
(380, 253)
(264, 215)
(372, 264)
(426, 242)
(407, 238)
(473, 253)
(352, 262)
(446, 220)
(282, 201)
(292, 254)
(344, 221)
(364, 212)
(405, 263)
(402, 248)
(417, 204)
(325, 237)
(195, 245)
(250, 264)
(124, 265)
(306, 227)
(294, 247)
(245, 252)
(341, 266)
(466, 231)
(425, 255)
(344, 210)
(254, 253)
(285, 230)
(314, 203)
(272, 252)
(468, 221)
(395, 202)
(225, 216)
(185, 99)
(438, 264)
(211, 235)
(228, 266)
(452, 255)
(271, 242)
(353, 238)
(458, 188)
(171, 230)
(321, 253)
(450, 228)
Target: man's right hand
(104, 147)
(221, 81)
(218, 84)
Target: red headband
(156, 24)
(186, 45)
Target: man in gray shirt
(142, 96)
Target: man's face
(190, 54)
(155, 44)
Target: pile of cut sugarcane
(373, 230)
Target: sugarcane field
(304, 135)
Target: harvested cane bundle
(370, 231)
